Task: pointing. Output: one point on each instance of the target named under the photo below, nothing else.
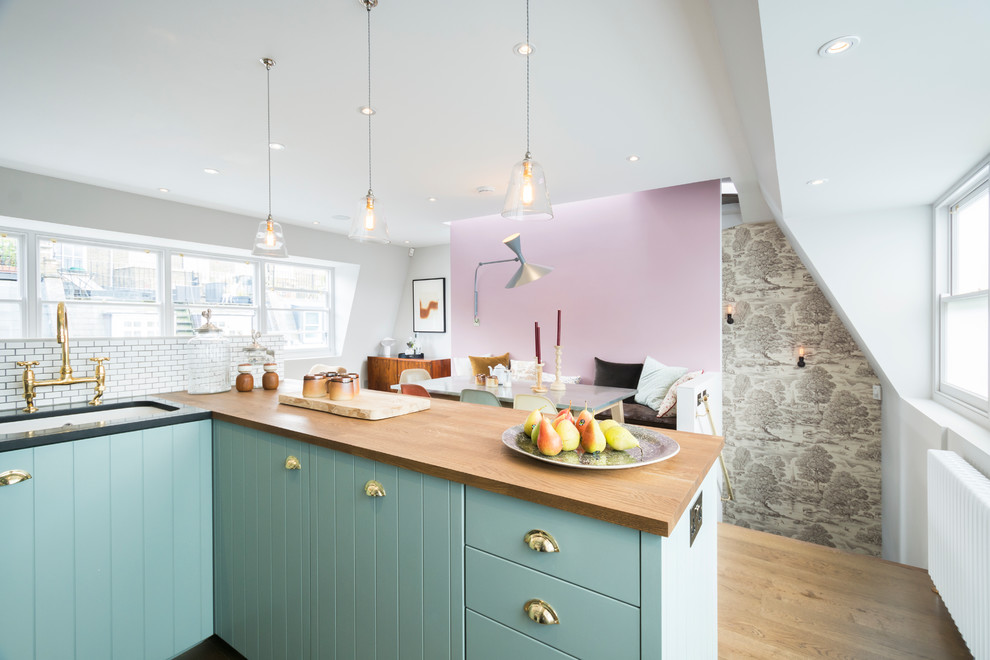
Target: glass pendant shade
(527, 197)
(269, 241)
(368, 225)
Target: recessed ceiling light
(406, 242)
(163, 190)
(523, 48)
(446, 222)
(431, 199)
(276, 146)
(366, 110)
(838, 45)
(633, 158)
(341, 217)
(485, 190)
(316, 222)
(817, 182)
(210, 170)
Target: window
(962, 275)
(116, 289)
(298, 304)
(12, 298)
(224, 286)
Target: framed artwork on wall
(430, 305)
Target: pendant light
(368, 225)
(527, 197)
(269, 241)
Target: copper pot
(314, 386)
(340, 388)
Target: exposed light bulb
(369, 213)
(270, 234)
(527, 186)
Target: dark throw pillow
(618, 374)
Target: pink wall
(634, 275)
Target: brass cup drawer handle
(11, 477)
(541, 612)
(374, 489)
(292, 463)
(541, 541)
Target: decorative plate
(653, 448)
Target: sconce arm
(480, 264)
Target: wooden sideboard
(383, 372)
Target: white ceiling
(135, 96)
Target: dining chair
(413, 389)
(413, 375)
(532, 402)
(480, 396)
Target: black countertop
(166, 414)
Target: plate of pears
(584, 442)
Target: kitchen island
(315, 561)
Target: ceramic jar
(245, 379)
(314, 386)
(270, 380)
(340, 388)
(357, 383)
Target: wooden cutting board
(369, 404)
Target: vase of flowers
(414, 349)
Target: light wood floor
(781, 598)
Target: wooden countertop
(462, 442)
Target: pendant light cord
(268, 67)
(370, 111)
(530, 47)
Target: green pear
(548, 441)
(533, 419)
(606, 424)
(570, 437)
(592, 438)
(620, 439)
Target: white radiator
(959, 544)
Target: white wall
(372, 299)
(426, 263)
(876, 270)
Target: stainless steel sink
(67, 419)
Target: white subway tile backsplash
(137, 367)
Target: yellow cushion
(479, 365)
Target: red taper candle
(558, 328)
(538, 360)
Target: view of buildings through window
(116, 291)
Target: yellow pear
(606, 424)
(569, 435)
(620, 439)
(592, 438)
(533, 419)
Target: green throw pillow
(654, 382)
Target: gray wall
(426, 263)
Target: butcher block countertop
(462, 442)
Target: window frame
(32, 233)
(24, 298)
(330, 310)
(945, 270)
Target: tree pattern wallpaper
(802, 445)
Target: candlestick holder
(558, 383)
(539, 379)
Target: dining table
(598, 398)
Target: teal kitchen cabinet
(310, 565)
(107, 549)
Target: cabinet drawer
(591, 625)
(487, 640)
(598, 555)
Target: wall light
(525, 274)
(800, 356)
(728, 314)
